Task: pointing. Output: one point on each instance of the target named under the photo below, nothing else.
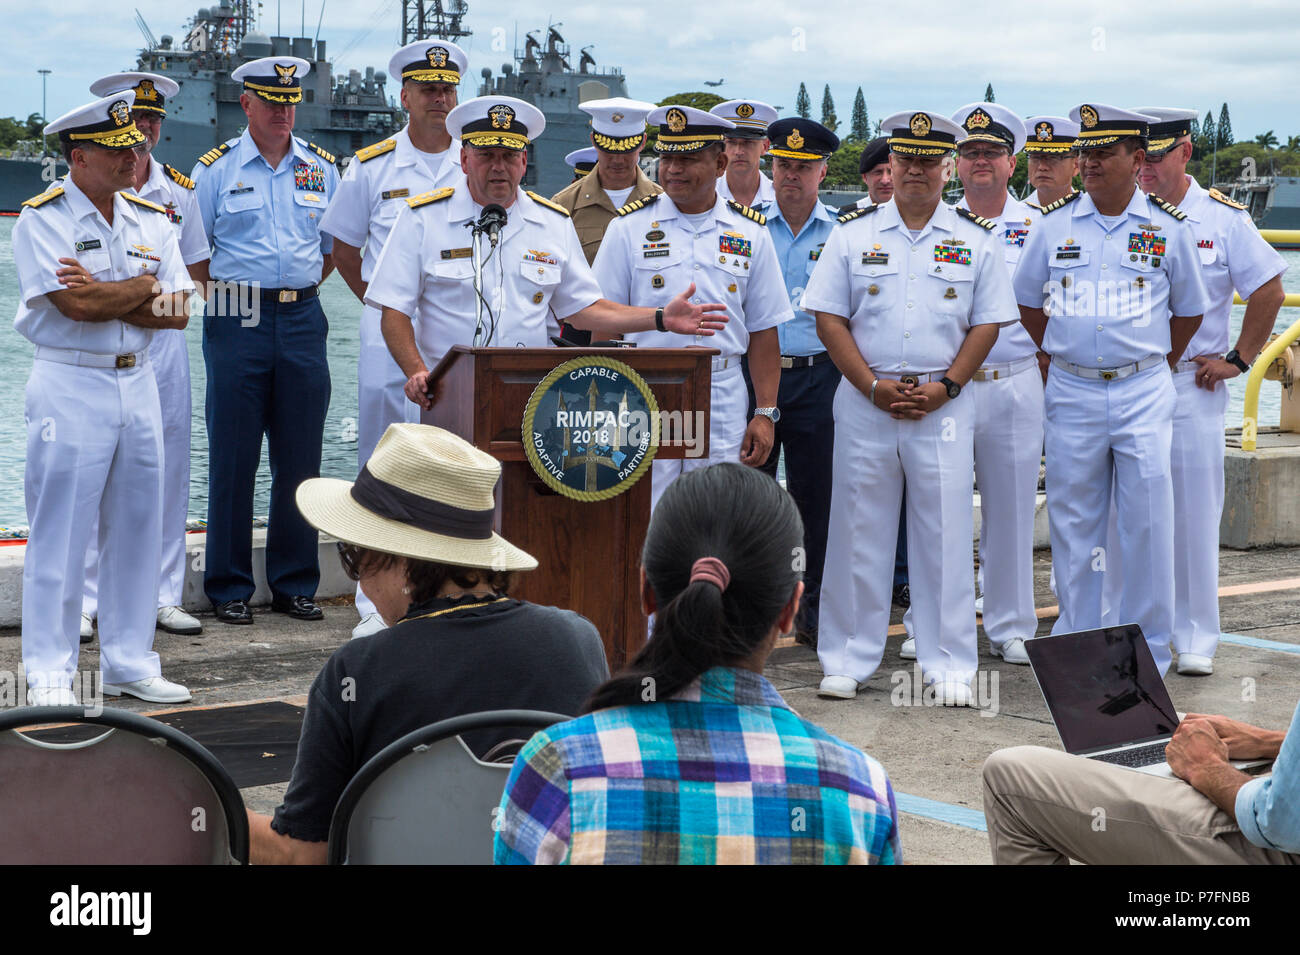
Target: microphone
(490, 222)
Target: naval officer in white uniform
(1233, 255)
(909, 297)
(1049, 158)
(536, 275)
(420, 158)
(690, 234)
(1007, 392)
(746, 143)
(99, 270)
(168, 352)
(1117, 273)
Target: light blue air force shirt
(1268, 808)
(264, 223)
(798, 255)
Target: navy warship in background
(340, 113)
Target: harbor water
(339, 454)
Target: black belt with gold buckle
(283, 296)
(804, 361)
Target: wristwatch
(954, 389)
(773, 413)
(659, 320)
(1234, 358)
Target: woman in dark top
(416, 531)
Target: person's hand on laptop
(1243, 740)
(1194, 747)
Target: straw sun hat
(425, 494)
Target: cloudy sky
(1040, 57)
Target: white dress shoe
(1193, 664)
(154, 689)
(908, 650)
(840, 687)
(370, 624)
(176, 620)
(1013, 651)
(952, 693)
(87, 628)
(51, 696)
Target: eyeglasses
(925, 162)
(977, 154)
(350, 557)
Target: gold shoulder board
(1062, 202)
(132, 197)
(178, 177)
(1168, 207)
(35, 202)
(986, 224)
(424, 198)
(212, 155)
(747, 212)
(856, 214)
(636, 204)
(324, 154)
(542, 200)
(1217, 196)
(376, 149)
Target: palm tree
(1293, 144)
(1267, 140)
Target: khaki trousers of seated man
(1046, 807)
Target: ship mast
(422, 19)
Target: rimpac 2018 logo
(591, 428)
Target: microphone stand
(476, 246)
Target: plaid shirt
(724, 772)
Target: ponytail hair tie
(711, 571)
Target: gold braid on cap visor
(612, 145)
(425, 75)
(119, 138)
(274, 94)
(487, 139)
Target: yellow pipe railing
(1292, 299)
(1281, 236)
(1250, 411)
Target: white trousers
(729, 402)
(1196, 464)
(381, 401)
(1008, 449)
(1107, 438)
(874, 455)
(170, 358)
(94, 453)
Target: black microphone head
(493, 213)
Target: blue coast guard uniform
(806, 427)
(267, 374)
(1109, 287)
(94, 429)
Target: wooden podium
(589, 554)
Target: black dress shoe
(300, 608)
(903, 595)
(233, 611)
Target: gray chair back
(426, 799)
(135, 792)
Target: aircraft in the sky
(719, 83)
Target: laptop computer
(1107, 699)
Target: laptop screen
(1102, 688)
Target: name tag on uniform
(1068, 251)
(241, 191)
(954, 254)
(1016, 237)
(654, 250)
(395, 194)
(87, 245)
(448, 254)
(1146, 243)
(308, 176)
(733, 243)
